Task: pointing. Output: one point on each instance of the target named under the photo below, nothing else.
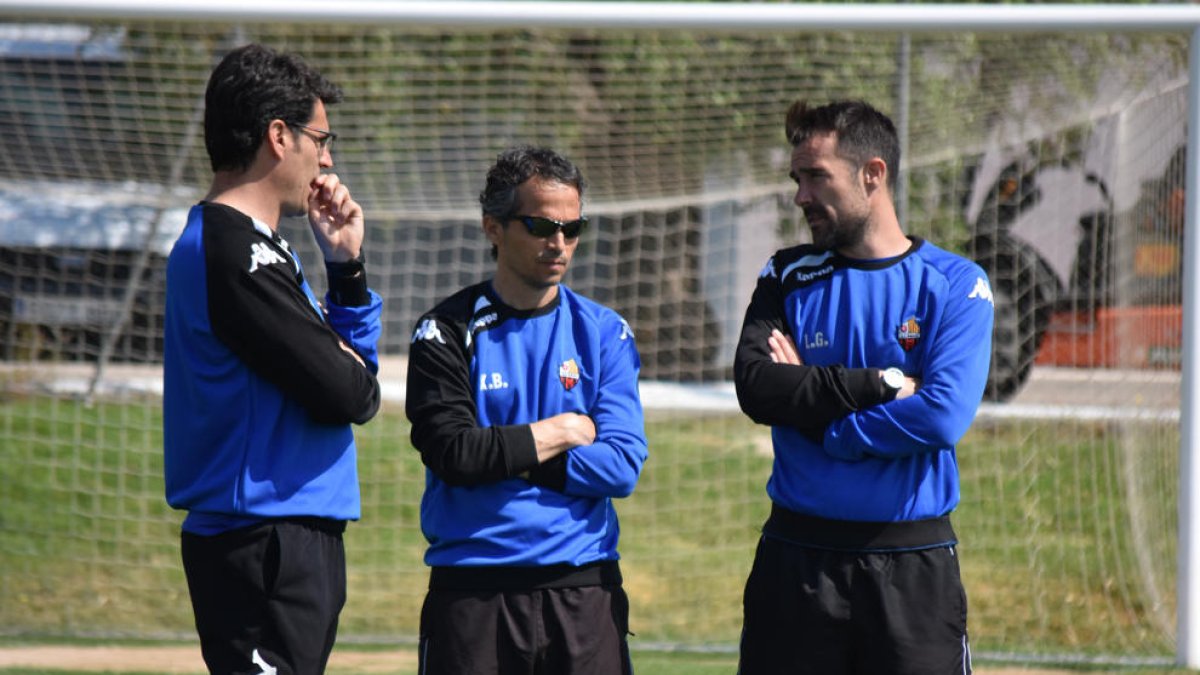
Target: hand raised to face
(336, 219)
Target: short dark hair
(517, 165)
(862, 132)
(249, 88)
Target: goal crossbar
(641, 15)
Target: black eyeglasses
(546, 227)
(324, 139)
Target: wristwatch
(893, 382)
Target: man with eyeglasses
(262, 381)
(524, 405)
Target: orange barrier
(1115, 337)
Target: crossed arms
(848, 411)
(597, 454)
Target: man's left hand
(783, 350)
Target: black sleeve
(260, 312)
(441, 407)
(551, 473)
(807, 398)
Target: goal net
(1053, 160)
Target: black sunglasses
(546, 227)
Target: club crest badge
(909, 334)
(568, 374)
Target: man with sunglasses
(262, 382)
(524, 405)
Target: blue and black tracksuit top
(844, 453)
(479, 373)
(259, 394)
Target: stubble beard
(839, 234)
(535, 281)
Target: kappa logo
(484, 321)
(262, 254)
(267, 669)
(809, 268)
(480, 323)
(982, 291)
(909, 333)
(768, 270)
(626, 331)
(802, 276)
(568, 374)
(428, 330)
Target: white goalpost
(1188, 626)
(1049, 142)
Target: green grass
(666, 663)
(648, 664)
(1066, 531)
(1051, 547)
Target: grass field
(88, 547)
(139, 660)
(133, 659)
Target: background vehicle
(72, 238)
(1083, 276)
(68, 255)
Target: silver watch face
(893, 378)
